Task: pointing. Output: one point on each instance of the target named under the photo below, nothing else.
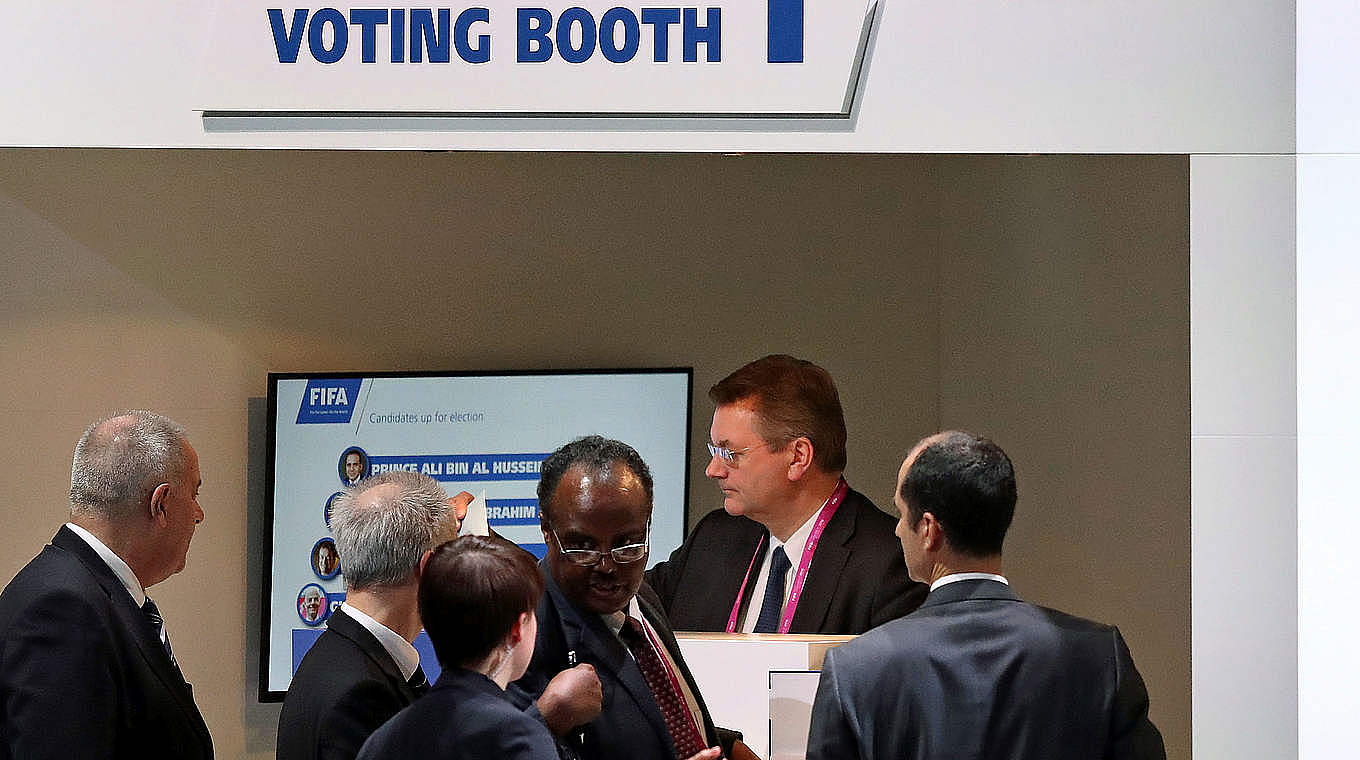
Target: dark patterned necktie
(153, 616)
(679, 722)
(768, 622)
(418, 682)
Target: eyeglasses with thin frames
(622, 555)
(729, 456)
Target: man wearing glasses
(794, 549)
(595, 505)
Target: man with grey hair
(86, 667)
(364, 669)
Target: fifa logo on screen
(328, 400)
(327, 396)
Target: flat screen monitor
(481, 432)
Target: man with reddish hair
(794, 549)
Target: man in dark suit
(364, 669)
(976, 673)
(86, 668)
(595, 502)
(354, 466)
(794, 549)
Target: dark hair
(472, 591)
(793, 398)
(596, 452)
(968, 483)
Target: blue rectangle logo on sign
(330, 400)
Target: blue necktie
(768, 622)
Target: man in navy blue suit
(595, 505)
(86, 667)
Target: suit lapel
(135, 623)
(572, 622)
(828, 562)
(746, 568)
(596, 644)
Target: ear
(420, 569)
(931, 533)
(517, 630)
(158, 499)
(801, 457)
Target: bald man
(86, 667)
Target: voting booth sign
(795, 58)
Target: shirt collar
(115, 563)
(614, 620)
(955, 577)
(797, 542)
(403, 654)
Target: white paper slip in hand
(474, 523)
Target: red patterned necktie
(679, 722)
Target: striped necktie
(153, 616)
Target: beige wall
(176, 279)
(1066, 337)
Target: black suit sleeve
(356, 715)
(1132, 734)
(830, 736)
(518, 743)
(897, 594)
(58, 681)
(665, 577)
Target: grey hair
(120, 459)
(381, 541)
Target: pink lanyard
(823, 517)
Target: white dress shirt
(403, 654)
(794, 548)
(115, 563)
(955, 577)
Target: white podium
(760, 684)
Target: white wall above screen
(1160, 76)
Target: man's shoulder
(922, 632)
(336, 662)
(54, 577)
(867, 513)
(338, 680)
(1013, 610)
(870, 528)
(1072, 625)
(719, 526)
